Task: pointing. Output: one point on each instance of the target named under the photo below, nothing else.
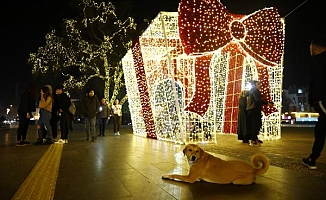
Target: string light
(210, 54)
(91, 59)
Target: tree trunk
(107, 78)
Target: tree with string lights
(91, 48)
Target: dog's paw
(166, 177)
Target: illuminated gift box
(185, 72)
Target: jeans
(64, 125)
(90, 125)
(44, 121)
(255, 123)
(116, 123)
(23, 127)
(320, 132)
(54, 124)
(102, 122)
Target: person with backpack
(65, 116)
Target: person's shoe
(87, 138)
(20, 144)
(311, 164)
(93, 139)
(48, 141)
(261, 142)
(26, 142)
(254, 144)
(66, 141)
(60, 141)
(117, 133)
(99, 135)
(245, 141)
(39, 141)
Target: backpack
(72, 108)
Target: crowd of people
(56, 110)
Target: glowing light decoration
(193, 65)
(87, 49)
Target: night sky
(24, 25)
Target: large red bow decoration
(206, 26)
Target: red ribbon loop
(206, 26)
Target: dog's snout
(193, 158)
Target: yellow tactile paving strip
(40, 183)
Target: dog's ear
(184, 150)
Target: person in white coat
(117, 117)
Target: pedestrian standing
(255, 103)
(243, 121)
(103, 116)
(317, 98)
(45, 105)
(25, 109)
(117, 117)
(55, 118)
(90, 105)
(65, 116)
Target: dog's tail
(261, 163)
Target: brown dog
(206, 167)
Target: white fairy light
(161, 54)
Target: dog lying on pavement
(206, 167)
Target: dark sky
(24, 25)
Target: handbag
(72, 108)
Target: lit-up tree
(89, 48)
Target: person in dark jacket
(55, 118)
(103, 116)
(90, 105)
(243, 120)
(317, 98)
(63, 105)
(25, 109)
(255, 103)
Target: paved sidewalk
(130, 167)
(287, 152)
